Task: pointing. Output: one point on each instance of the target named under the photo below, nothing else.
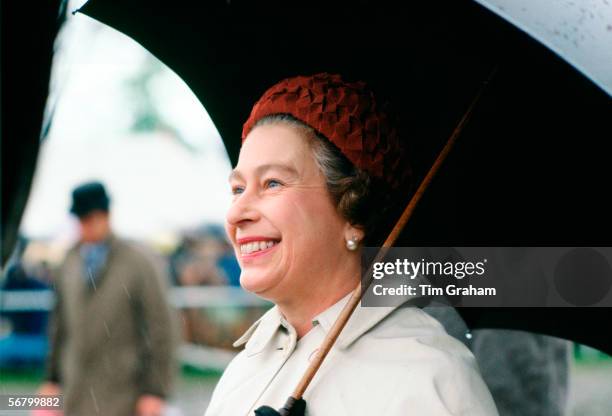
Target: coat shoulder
(410, 348)
(136, 253)
(139, 262)
(412, 330)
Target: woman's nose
(243, 210)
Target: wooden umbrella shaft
(355, 298)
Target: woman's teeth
(256, 246)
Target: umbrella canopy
(529, 168)
(27, 51)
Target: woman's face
(283, 224)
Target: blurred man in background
(113, 333)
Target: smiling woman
(279, 190)
(314, 181)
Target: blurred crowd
(204, 257)
(200, 257)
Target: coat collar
(261, 332)
(111, 240)
(362, 320)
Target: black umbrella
(529, 169)
(27, 50)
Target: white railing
(199, 356)
(180, 298)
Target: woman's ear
(353, 232)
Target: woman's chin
(258, 285)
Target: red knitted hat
(345, 113)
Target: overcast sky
(158, 185)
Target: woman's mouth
(256, 247)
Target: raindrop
(93, 397)
(108, 334)
(91, 279)
(127, 292)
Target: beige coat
(114, 342)
(387, 361)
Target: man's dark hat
(89, 197)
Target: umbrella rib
(348, 309)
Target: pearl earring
(351, 244)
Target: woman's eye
(236, 190)
(273, 183)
